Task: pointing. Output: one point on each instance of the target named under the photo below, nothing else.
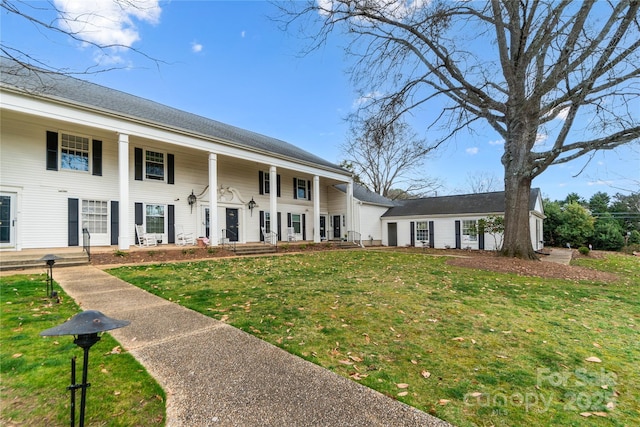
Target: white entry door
(8, 220)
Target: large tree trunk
(517, 182)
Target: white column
(124, 228)
(316, 209)
(213, 199)
(349, 219)
(273, 198)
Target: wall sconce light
(85, 326)
(252, 204)
(192, 200)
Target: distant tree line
(604, 222)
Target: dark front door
(337, 222)
(392, 231)
(323, 227)
(6, 220)
(232, 225)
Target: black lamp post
(85, 326)
(50, 259)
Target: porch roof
(104, 100)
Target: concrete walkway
(559, 256)
(217, 375)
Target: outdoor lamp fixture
(192, 200)
(85, 326)
(50, 259)
(252, 204)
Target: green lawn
(471, 347)
(36, 371)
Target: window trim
(89, 151)
(467, 227)
(165, 161)
(422, 234)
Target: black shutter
(458, 241)
(73, 222)
(295, 188)
(138, 218)
(138, 163)
(262, 225)
(279, 225)
(308, 190)
(412, 226)
(260, 182)
(171, 175)
(115, 222)
(481, 236)
(304, 227)
(278, 180)
(96, 157)
(431, 235)
(289, 219)
(52, 151)
(171, 234)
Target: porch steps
(19, 261)
(257, 249)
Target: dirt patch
(481, 260)
(521, 267)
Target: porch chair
(270, 237)
(291, 234)
(145, 239)
(182, 238)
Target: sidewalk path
(559, 256)
(217, 375)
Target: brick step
(30, 263)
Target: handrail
(225, 239)
(86, 242)
(355, 237)
(270, 237)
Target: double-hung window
(154, 165)
(296, 223)
(267, 222)
(74, 152)
(95, 216)
(301, 189)
(422, 231)
(469, 230)
(155, 219)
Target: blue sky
(227, 60)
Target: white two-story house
(78, 156)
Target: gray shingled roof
(365, 195)
(480, 203)
(89, 95)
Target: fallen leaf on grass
(355, 358)
(457, 339)
(358, 376)
(596, 345)
(403, 393)
(443, 401)
(593, 359)
(586, 414)
(500, 356)
(476, 394)
(600, 414)
(402, 385)
(529, 330)
(16, 355)
(345, 362)
(415, 362)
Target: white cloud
(600, 182)
(107, 22)
(196, 47)
(472, 151)
(243, 34)
(366, 98)
(497, 142)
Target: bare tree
(386, 154)
(557, 67)
(482, 182)
(89, 26)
